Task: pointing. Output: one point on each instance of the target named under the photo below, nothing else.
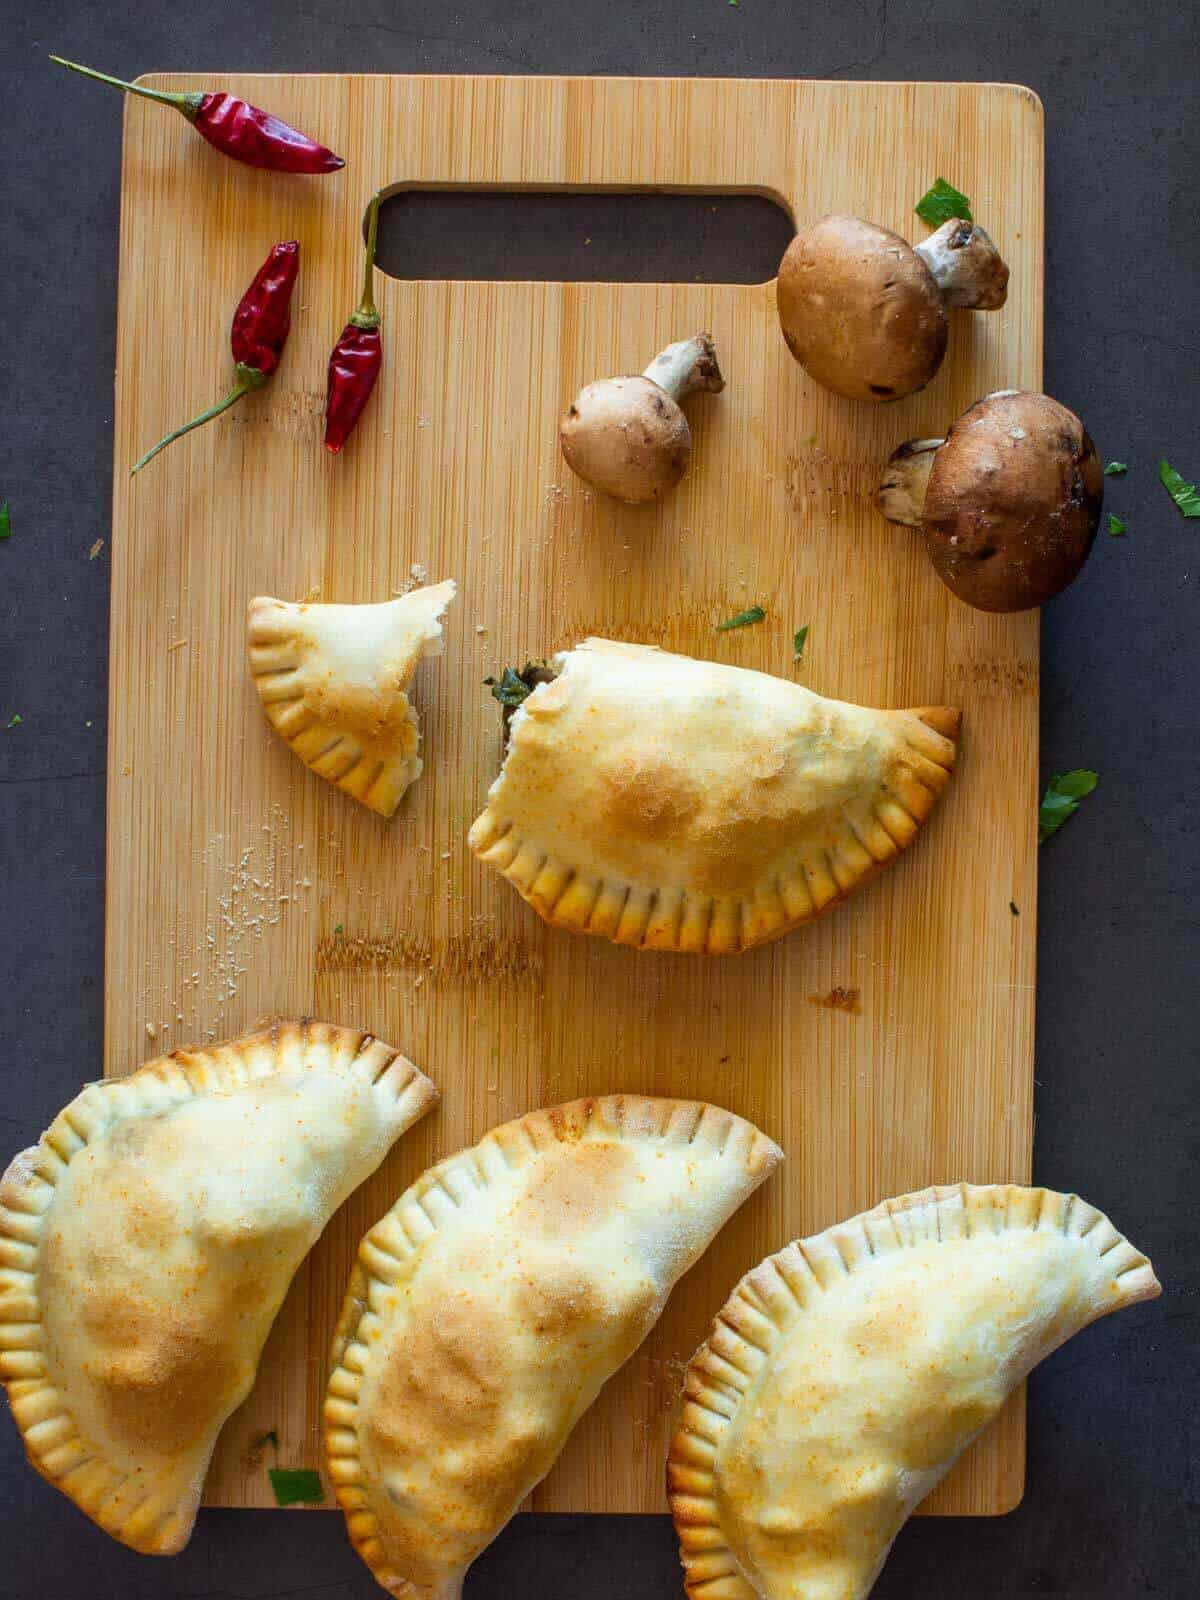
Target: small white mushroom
(628, 437)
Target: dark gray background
(1112, 1498)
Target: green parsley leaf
(271, 1438)
(296, 1486)
(15, 720)
(1116, 469)
(5, 522)
(941, 203)
(1185, 495)
(799, 641)
(338, 929)
(743, 619)
(1115, 526)
(1062, 798)
(512, 690)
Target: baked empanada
(148, 1239)
(846, 1374)
(494, 1299)
(677, 804)
(333, 681)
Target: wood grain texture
(240, 885)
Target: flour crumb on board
(418, 574)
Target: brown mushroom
(628, 436)
(864, 312)
(1009, 501)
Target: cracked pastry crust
(147, 1242)
(491, 1303)
(333, 681)
(676, 804)
(847, 1373)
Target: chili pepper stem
(188, 104)
(367, 316)
(247, 379)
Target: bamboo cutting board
(239, 885)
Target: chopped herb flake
(296, 1486)
(1116, 469)
(5, 522)
(15, 720)
(338, 929)
(799, 641)
(512, 690)
(941, 203)
(1115, 526)
(1185, 495)
(1014, 908)
(743, 619)
(271, 1438)
(1061, 800)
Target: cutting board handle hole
(582, 235)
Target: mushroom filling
(513, 688)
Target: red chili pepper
(235, 127)
(357, 356)
(260, 329)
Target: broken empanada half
(676, 804)
(334, 682)
(148, 1239)
(495, 1298)
(846, 1375)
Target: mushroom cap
(1013, 501)
(860, 310)
(627, 437)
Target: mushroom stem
(967, 266)
(687, 365)
(901, 493)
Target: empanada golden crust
(495, 1298)
(333, 681)
(676, 804)
(147, 1242)
(845, 1376)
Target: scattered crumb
(479, 628)
(1014, 908)
(177, 645)
(312, 594)
(839, 999)
(446, 855)
(151, 1031)
(96, 549)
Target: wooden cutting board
(239, 885)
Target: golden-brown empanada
(677, 804)
(148, 1239)
(333, 680)
(846, 1374)
(494, 1299)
